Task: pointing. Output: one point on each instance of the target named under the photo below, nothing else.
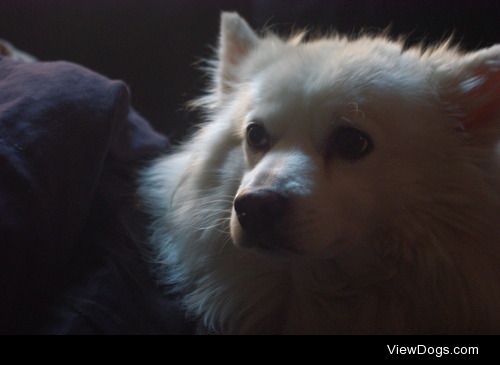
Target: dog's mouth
(279, 243)
(270, 245)
(263, 240)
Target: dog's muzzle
(260, 211)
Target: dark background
(153, 45)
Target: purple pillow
(70, 232)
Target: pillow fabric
(72, 257)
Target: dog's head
(344, 140)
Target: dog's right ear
(237, 39)
(472, 93)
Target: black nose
(259, 210)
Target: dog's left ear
(237, 40)
(472, 90)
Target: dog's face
(328, 151)
(314, 167)
(343, 140)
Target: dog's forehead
(328, 75)
(298, 84)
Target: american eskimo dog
(338, 186)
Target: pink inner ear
(483, 98)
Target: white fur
(405, 240)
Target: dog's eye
(257, 137)
(350, 143)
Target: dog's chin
(268, 245)
(275, 246)
(278, 245)
(267, 248)
(280, 248)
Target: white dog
(338, 186)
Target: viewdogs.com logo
(437, 351)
